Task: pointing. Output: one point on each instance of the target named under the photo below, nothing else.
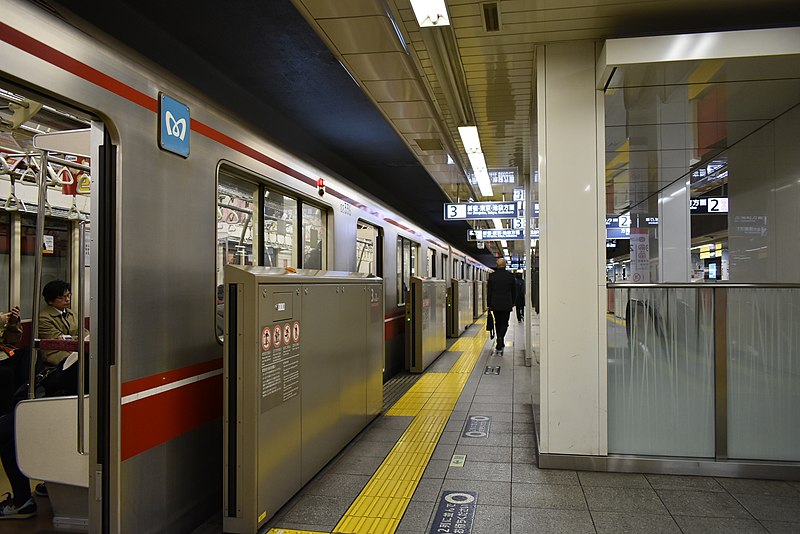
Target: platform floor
(513, 494)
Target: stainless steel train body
(156, 383)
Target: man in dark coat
(501, 295)
(520, 302)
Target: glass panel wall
(764, 374)
(661, 373)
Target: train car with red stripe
(146, 191)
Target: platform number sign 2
(174, 128)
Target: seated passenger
(10, 333)
(56, 320)
(20, 505)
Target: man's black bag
(490, 324)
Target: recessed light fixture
(430, 13)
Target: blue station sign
(174, 127)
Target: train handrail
(42, 208)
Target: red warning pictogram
(287, 333)
(266, 338)
(277, 336)
(296, 332)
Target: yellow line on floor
(381, 504)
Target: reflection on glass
(236, 200)
(314, 232)
(280, 229)
(366, 249)
(56, 257)
(235, 203)
(764, 374)
(661, 373)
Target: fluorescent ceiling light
(498, 224)
(478, 164)
(470, 139)
(430, 13)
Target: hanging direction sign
(497, 176)
(708, 205)
(480, 210)
(496, 234)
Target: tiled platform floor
(514, 496)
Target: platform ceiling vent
(490, 12)
(429, 144)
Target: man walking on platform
(501, 295)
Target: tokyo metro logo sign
(173, 132)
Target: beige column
(572, 218)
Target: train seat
(46, 436)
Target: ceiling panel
(382, 66)
(362, 35)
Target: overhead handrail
(13, 203)
(73, 213)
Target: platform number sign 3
(174, 129)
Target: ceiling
(388, 120)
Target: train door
(55, 205)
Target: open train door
(94, 265)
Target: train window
(407, 253)
(444, 266)
(368, 249)
(280, 230)
(5, 260)
(235, 202)
(314, 237)
(431, 263)
(55, 260)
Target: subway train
(150, 191)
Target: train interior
(60, 158)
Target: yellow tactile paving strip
(383, 501)
(615, 320)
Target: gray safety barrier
(426, 335)
(303, 375)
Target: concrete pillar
(572, 264)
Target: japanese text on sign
(481, 210)
(496, 234)
(456, 513)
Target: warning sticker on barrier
(456, 513)
(280, 364)
(266, 338)
(477, 426)
(287, 333)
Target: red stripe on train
(149, 422)
(47, 53)
(162, 379)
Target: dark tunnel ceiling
(263, 62)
